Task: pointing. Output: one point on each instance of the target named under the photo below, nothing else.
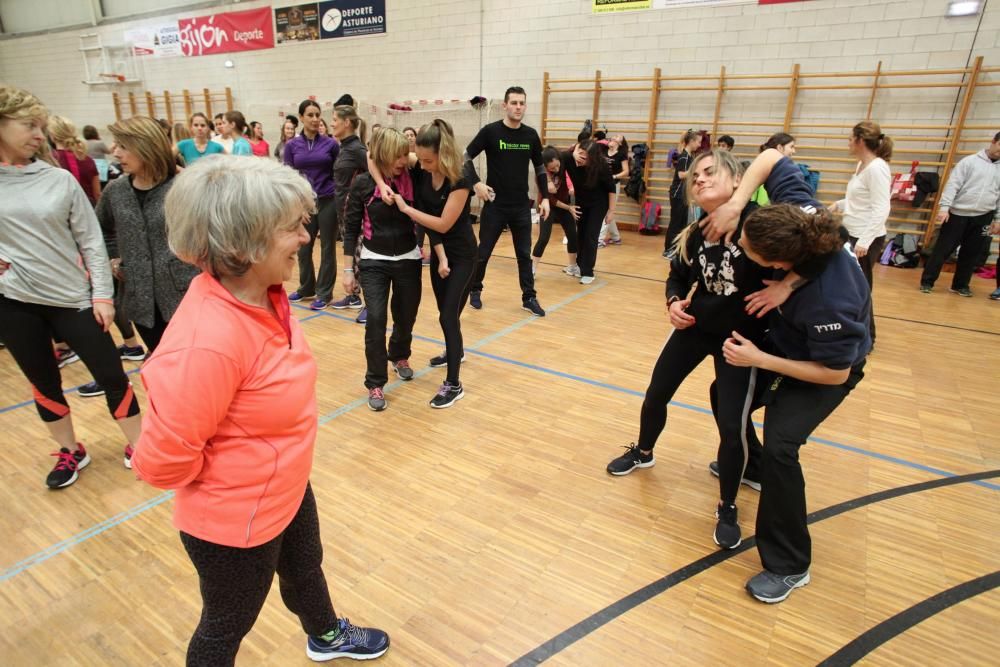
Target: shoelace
(66, 460)
(358, 636)
(445, 388)
(377, 393)
(402, 363)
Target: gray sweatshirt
(973, 187)
(51, 238)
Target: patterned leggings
(235, 582)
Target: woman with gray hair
(240, 456)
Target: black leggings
(379, 278)
(121, 317)
(678, 219)
(565, 220)
(870, 259)
(734, 390)
(451, 294)
(28, 330)
(588, 229)
(235, 582)
(151, 335)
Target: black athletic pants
(969, 232)
(794, 410)
(235, 582)
(28, 330)
(684, 350)
(588, 229)
(151, 336)
(451, 294)
(867, 262)
(324, 224)
(378, 278)
(678, 219)
(565, 220)
(121, 317)
(491, 223)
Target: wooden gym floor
(490, 533)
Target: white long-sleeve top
(973, 188)
(866, 206)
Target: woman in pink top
(259, 147)
(240, 455)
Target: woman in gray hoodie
(54, 280)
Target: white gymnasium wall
(457, 49)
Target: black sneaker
(531, 305)
(65, 357)
(713, 468)
(132, 353)
(67, 467)
(630, 460)
(447, 395)
(926, 289)
(403, 370)
(961, 291)
(347, 641)
(442, 360)
(476, 300)
(770, 587)
(727, 530)
(91, 389)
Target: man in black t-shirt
(509, 146)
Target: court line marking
(616, 609)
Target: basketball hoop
(118, 78)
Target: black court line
(890, 628)
(601, 618)
(881, 317)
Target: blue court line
(93, 531)
(25, 404)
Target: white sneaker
(572, 270)
(565, 241)
(586, 280)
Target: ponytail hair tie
(881, 137)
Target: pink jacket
(232, 416)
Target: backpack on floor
(636, 184)
(648, 220)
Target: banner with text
(159, 41)
(226, 33)
(351, 18)
(609, 6)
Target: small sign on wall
(299, 23)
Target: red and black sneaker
(129, 451)
(67, 467)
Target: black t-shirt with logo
(508, 152)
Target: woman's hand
(443, 269)
(104, 313)
(722, 222)
(116, 268)
(400, 203)
(859, 251)
(544, 209)
(678, 315)
(386, 193)
(739, 351)
(764, 301)
(3, 267)
(575, 212)
(348, 281)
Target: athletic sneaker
(727, 530)
(995, 296)
(129, 451)
(347, 641)
(630, 460)
(298, 296)
(713, 468)
(442, 360)
(319, 304)
(572, 270)
(617, 241)
(132, 353)
(565, 240)
(770, 587)
(362, 316)
(403, 370)
(476, 300)
(961, 291)
(91, 389)
(351, 301)
(531, 305)
(602, 243)
(67, 467)
(926, 289)
(376, 399)
(66, 356)
(447, 395)
(586, 280)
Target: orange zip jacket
(232, 416)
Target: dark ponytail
(778, 139)
(869, 133)
(786, 233)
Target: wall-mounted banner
(159, 41)
(228, 32)
(351, 18)
(297, 24)
(609, 6)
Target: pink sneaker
(129, 451)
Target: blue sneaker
(347, 641)
(319, 304)
(362, 317)
(298, 296)
(995, 295)
(476, 300)
(350, 301)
